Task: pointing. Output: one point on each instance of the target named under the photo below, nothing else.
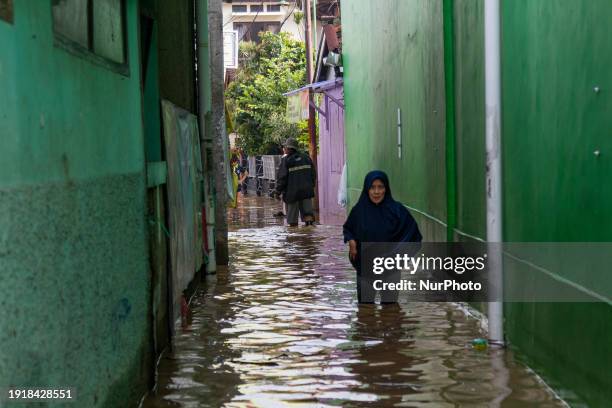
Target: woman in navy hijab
(377, 217)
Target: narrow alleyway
(282, 327)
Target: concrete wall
(73, 252)
(555, 189)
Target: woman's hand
(352, 249)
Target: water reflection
(281, 328)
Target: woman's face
(377, 191)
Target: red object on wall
(184, 307)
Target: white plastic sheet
(184, 196)
(343, 189)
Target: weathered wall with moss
(73, 253)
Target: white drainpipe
(492, 28)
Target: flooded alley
(468, 140)
(282, 327)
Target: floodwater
(281, 327)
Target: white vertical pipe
(492, 28)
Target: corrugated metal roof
(318, 86)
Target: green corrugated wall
(73, 251)
(555, 188)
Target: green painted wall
(156, 194)
(554, 121)
(73, 250)
(469, 122)
(151, 102)
(554, 54)
(399, 64)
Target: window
(108, 30)
(272, 27)
(273, 8)
(6, 10)
(230, 49)
(239, 8)
(256, 8)
(93, 28)
(70, 20)
(250, 31)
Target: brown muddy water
(281, 328)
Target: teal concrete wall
(73, 252)
(555, 188)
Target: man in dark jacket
(296, 181)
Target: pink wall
(331, 158)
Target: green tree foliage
(269, 69)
